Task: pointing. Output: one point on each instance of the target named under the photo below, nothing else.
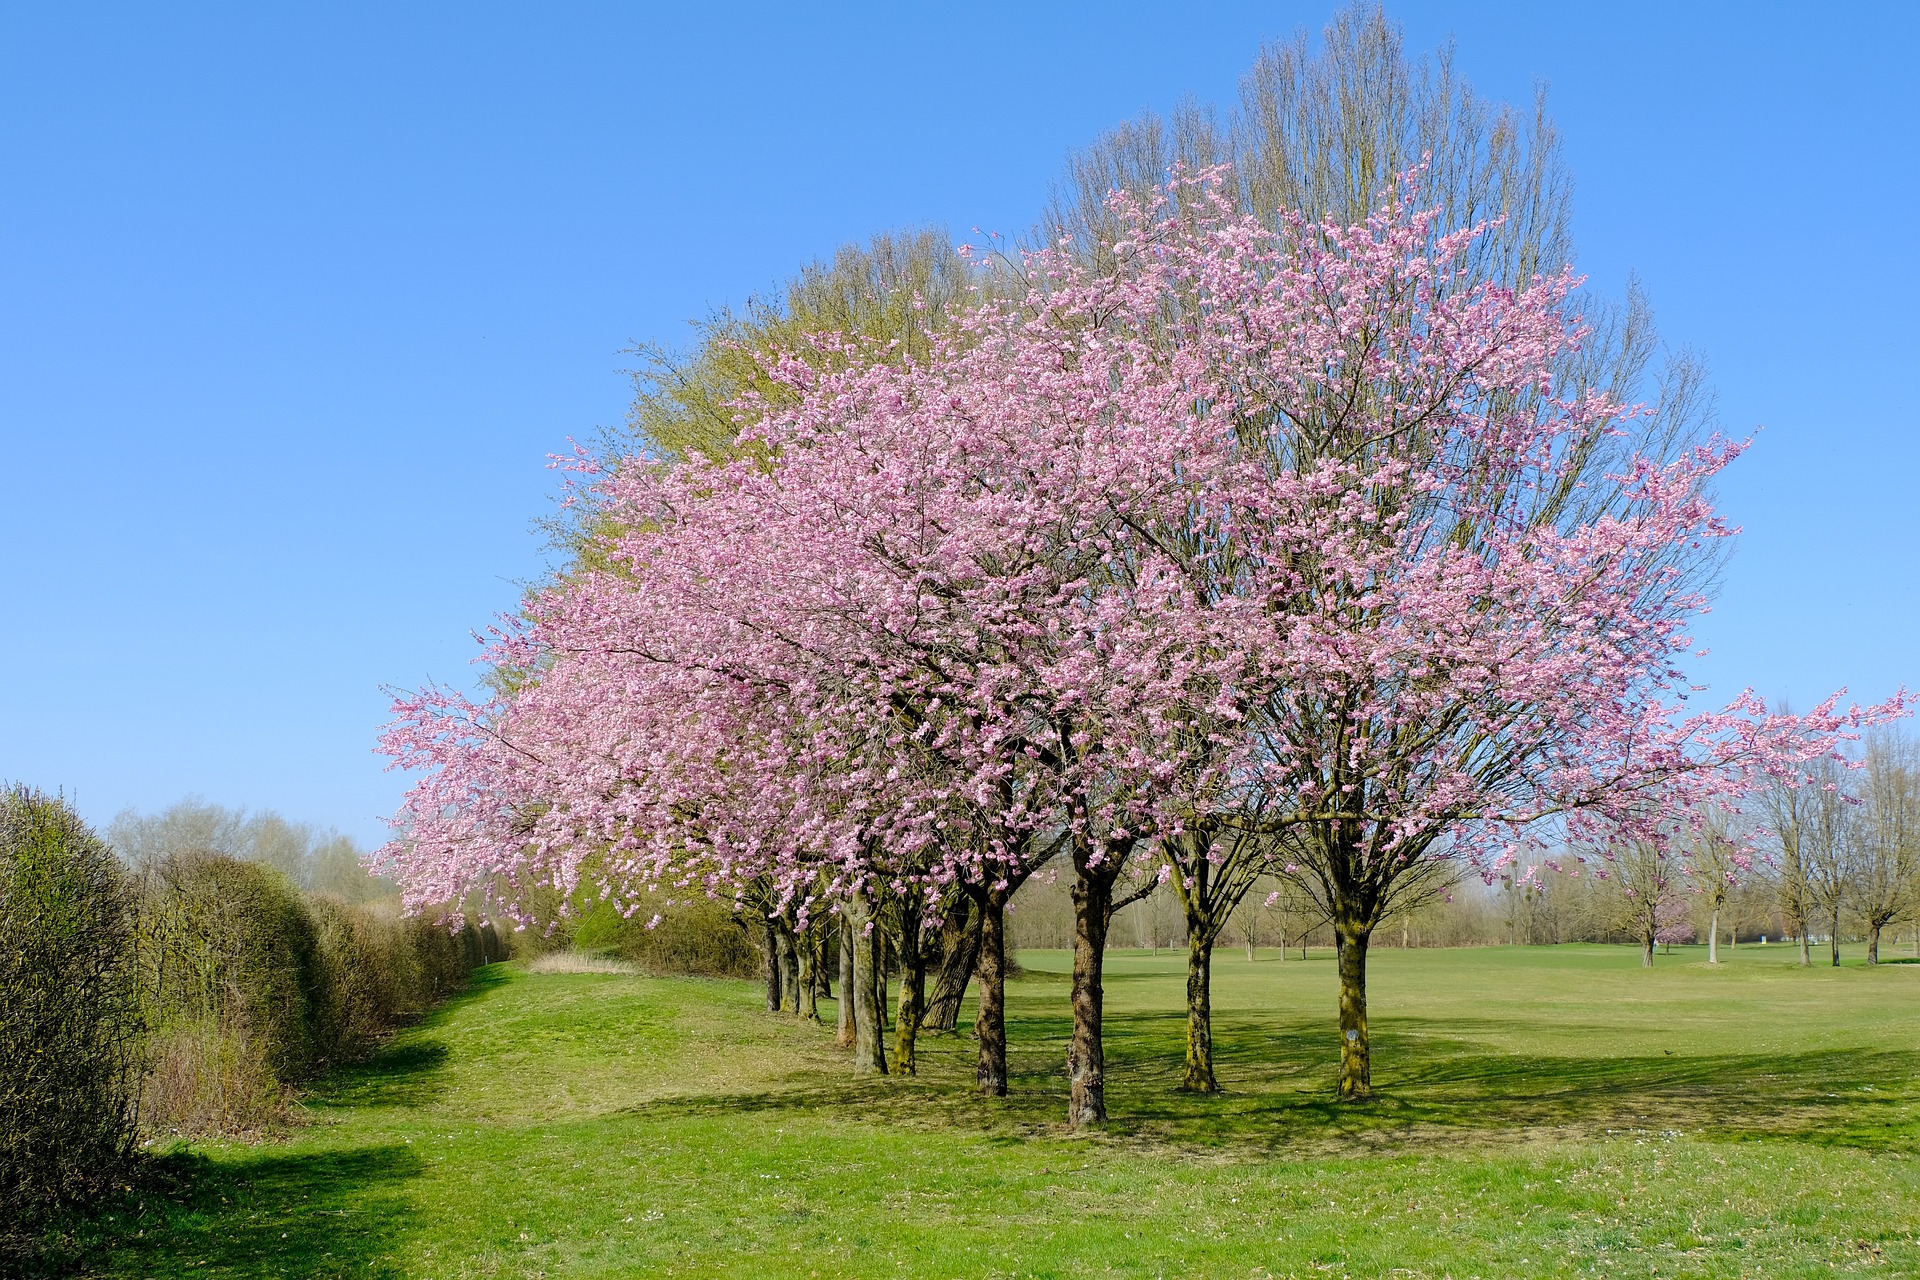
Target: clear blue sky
(295, 300)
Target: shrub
(237, 994)
(69, 1014)
(698, 937)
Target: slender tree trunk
(845, 1029)
(1806, 947)
(1833, 937)
(789, 969)
(959, 955)
(1250, 956)
(770, 964)
(869, 1048)
(990, 1023)
(1713, 938)
(1200, 1077)
(913, 993)
(1356, 1051)
(882, 965)
(809, 991)
(1646, 951)
(1086, 1056)
(1873, 942)
(1406, 927)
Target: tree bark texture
(1646, 952)
(1873, 943)
(882, 963)
(959, 954)
(990, 1022)
(1086, 1056)
(809, 991)
(913, 993)
(770, 964)
(869, 1048)
(845, 1028)
(1833, 936)
(1356, 1051)
(1200, 1077)
(789, 969)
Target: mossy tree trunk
(1200, 1077)
(770, 963)
(990, 1021)
(1211, 876)
(1096, 870)
(869, 1050)
(959, 956)
(845, 1029)
(789, 967)
(809, 991)
(1356, 1044)
(913, 987)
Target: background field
(1545, 1112)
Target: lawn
(1545, 1112)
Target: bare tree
(1826, 845)
(1718, 866)
(1652, 880)
(1885, 862)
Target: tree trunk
(1806, 948)
(789, 969)
(845, 1029)
(1873, 942)
(959, 954)
(1713, 938)
(770, 964)
(882, 964)
(1086, 1057)
(808, 991)
(990, 1023)
(913, 993)
(1646, 952)
(1833, 937)
(1199, 1013)
(869, 1050)
(1250, 955)
(1356, 1058)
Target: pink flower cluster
(1279, 528)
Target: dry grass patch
(580, 962)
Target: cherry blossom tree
(1303, 537)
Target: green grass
(1545, 1112)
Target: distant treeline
(1551, 908)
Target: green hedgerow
(69, 1011)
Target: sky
(297, 301)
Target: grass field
(1545, 1112)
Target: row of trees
(1282, 518)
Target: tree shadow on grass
(403, 1072)
(319, 1214)
(1439, 1087)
